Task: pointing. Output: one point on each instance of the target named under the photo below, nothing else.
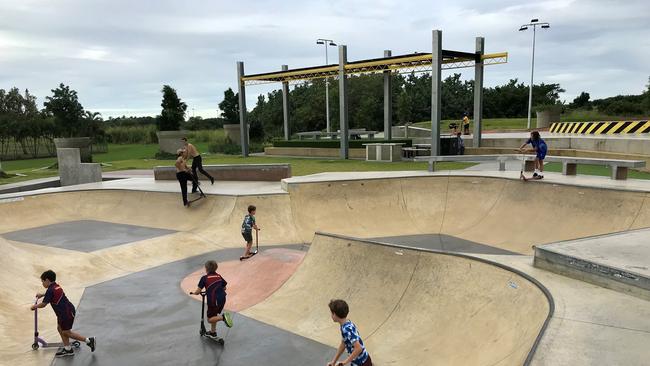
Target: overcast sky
(117, 54)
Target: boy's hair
(179, 152)
(535, 135)
(49, 275)
(458, 134)
(211, 266)
(251, 208)
(339, 308)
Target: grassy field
(135, 156)
(596, 170)
(488, 124)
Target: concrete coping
(234, 172)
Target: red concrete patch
(253, 280)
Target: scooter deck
(242, 258)
(218, 339)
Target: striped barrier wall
(601, 128)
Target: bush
(206, 135)
(230, 148)
(161, 155)
(132, 135)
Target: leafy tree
(230, 107)
(581, 101)
(64, 106)
(173, 110)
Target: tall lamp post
(533, 23)
(327, 43)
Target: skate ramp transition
(413, 307)
(499, 212)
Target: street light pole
(533, 23)
(327, 43)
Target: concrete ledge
(313, 152)
(241, 172)
(72, 171)
(588, 271)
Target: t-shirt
(539, 145)
(465, 120)
(350, 336)
(55, 296)
(247, 225)
(215, 288)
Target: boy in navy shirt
(351, 339)
(215, 292)
(540, 149)
(65, 313)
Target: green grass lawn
(135, 156)
(596, 170)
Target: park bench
(313, 134)
(501, 159)
(619, 168)
(411, 152)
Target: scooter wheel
(35, 346)
(76, 344)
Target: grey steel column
(436, 110)
(343, 101)
(478, 93)
(285, 105)
(243, 120)
(388, 101)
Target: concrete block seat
(235, 172)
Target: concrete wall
(313, 152)
(170, 141)
(244, 172)
(81, 143)
(72, 171)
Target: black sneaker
(91, 343)
(535, 175)
(212, 335)
(64, 353)
(212, 180)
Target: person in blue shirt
(215, 293)
(351, 340)
(247, 227)
(65, 313)
(539, 148)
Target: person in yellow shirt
(465, 124)
(197, 163)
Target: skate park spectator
(65, 313)
(465, 124)
(460, 145)
(351, 342)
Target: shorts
(368, 362)
(65, 323)
(248, 236)
(215, 310)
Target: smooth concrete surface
(620, 261)
(145, 319)
(591, 324)
(412, 307)
(443, 243)
(233, 172)
(72, 171)
(85, 235)
(170, 141)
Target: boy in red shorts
(215, 292)
(65, 313)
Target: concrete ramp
(412, 307)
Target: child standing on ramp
(351, 339)
(215, 292)
(65, 313)
(247, 227)
(539, 148)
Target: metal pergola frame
(433, 62)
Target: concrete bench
(384, 151)
(314, 134)
(501, 159)
(411, 152)
(241, 172)
(619, 168)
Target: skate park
(440, 267)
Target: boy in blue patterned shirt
(351, 341)
(247, 227)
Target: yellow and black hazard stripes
(601, 128)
